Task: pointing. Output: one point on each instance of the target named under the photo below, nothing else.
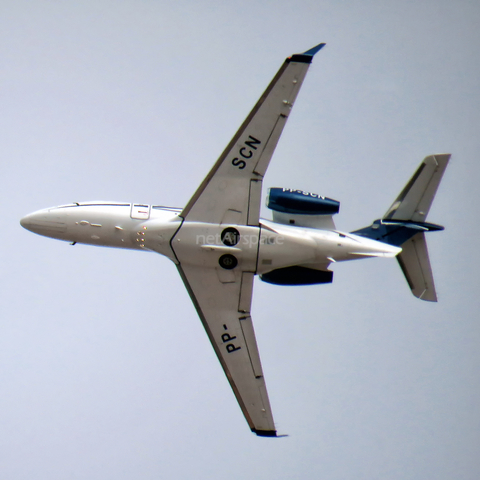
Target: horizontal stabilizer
(415, 264)
(416, 198)
(404, 225)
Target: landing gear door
(140, 211)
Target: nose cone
(44, 222)
(26, 222)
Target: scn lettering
(246, 152)
(238, 163)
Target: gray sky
(105, 369)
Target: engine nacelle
(297, 276)
(298, 202)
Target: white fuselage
(258, 249)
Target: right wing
(231, 192)
(224, 309)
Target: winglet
(307, 56)
(314, 50)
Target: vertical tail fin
(404, 225)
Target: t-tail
(404, 225)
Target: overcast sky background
(105, 369)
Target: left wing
(231, 192)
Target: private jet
(219, 243)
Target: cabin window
(140, 211)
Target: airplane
(219, 243)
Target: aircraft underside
(218, 242)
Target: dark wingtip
(265, 433)
(306, 57)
